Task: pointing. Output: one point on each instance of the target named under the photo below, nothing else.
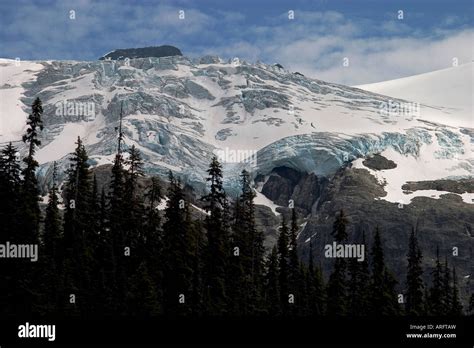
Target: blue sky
(378, 45)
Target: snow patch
(260, 199)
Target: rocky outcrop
(143, 52)
(284, 184)
(378, 162)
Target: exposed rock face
(446, 222)
(143, 52)
(308, 190)
(378, 162)
(280, 185)
(285, 183)
(456, 186)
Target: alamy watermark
(81, 110)
(335, 250)
(28, 330)
(396, 108)
(227, 155)
(19, 251)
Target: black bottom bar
(259, 331)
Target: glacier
(178, 111)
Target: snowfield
(449, 88)
(13, 112)
(179, 111)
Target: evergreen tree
(117, 235)
(142, 298)
(133, 226)
(197, 252)
(95, 221)
(26, 275)
(29, 229)
(10, 217)
(178, 272)
(391, 298)
(52, 238)
(471, 304)
(52, 242)
(293, 249)
(217, 241)
(296, 278)
(456, 306)
(105, 288)
(337, 284)
(252, 251)
(358, 294)
(383, 298)
(96, 247)
(283, 266)
(339, 228)
(414, 282)
(272, 289)
(9, 193)
(152, 237)
(436, 291)
(133, 203)
(301, 305)
(77, 237)
(315, 286)
(237, 281)
(447, 292)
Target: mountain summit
(142, 52)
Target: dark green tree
(52, 243)
(272, 289)
(116, 235)
(250, 242)
(177, 252)
(237, 280)
(29, 229)
(142, 298)
(414, 283)
(359, 285)
(217, 253)
(383, 298)
(447, 290)
(26, 275)
(471, 304)
(133, 202)
(283, 267)
(11, 218)
(316, 295)
(337, 286)
(77, 237)
(10, 183)
(296, 279)
(436, 291)
(456, 306)
(151, 237)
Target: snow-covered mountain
(179, 111)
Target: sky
(344, 41)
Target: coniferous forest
(111, 253)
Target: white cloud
(317, 42)
(378, 59)
(314, 43)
